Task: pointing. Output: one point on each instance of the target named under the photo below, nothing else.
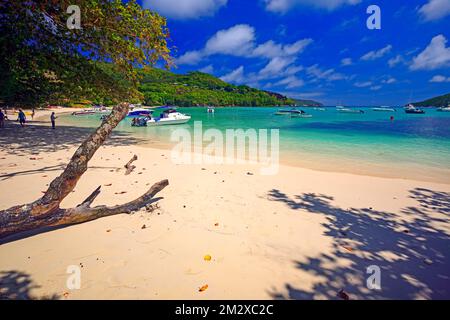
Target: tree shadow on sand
(17, 285)
(34, 138)
(413, 254)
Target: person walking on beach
(52, 119)
(2, 119)
(22, 117)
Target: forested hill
(440, 101)
(161, 87)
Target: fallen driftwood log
(129, 165)
(46, 210)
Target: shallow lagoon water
(410, 146)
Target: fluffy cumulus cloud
(376, 54)
(435, 9)
(283, 6)
(190, 58)
(235, 76)
(436, 55)
(440, 79)
(184, 9)
(237, 40)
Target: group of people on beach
(21, 117)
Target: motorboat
(348, 110)
(210, 110)
(170, 115)
(444, 109)
(383, 109)
(138, 112)
(293, 113)
(412, 109)
(84, 112)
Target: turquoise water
(329, 140)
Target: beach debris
(121, 192)
(109, 230)
(343, 295)
(139, 172)
(249, 173)
(203, 168)
(129, 165)
(207, 257)
(65, 294)
(216, 224)
(44, 176)
(184, 206)
(111, 170)
(143, 226)
(108, 185)
(348, 248)
(215, 172)
(428, 261)
(203, 288)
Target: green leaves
(36, 42)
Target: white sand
(300, 234)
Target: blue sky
(316, 49)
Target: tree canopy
(42, 60)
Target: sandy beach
(300, 234)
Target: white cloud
(346, 62)
(190, 58)
(235, 76)
(282, 6)
(319, 74)
(290, 82)
(395, 61)
(184, 9)
(436, 55)
(276, 66)
(375, 88)
(207, 69)
(389, 80)
(376, 54)
(435, 9)
(363, 84)
(237, 40)
(439, 78)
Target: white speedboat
(210, 110)
(293, 113)
(384, 109)
(169, 116)
(444, 109)
(348, 110)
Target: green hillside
(161, 87)
(440, 101)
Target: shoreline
(300, 234)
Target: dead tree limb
(46, 211)
(129, 165)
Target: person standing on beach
(52, 119)
(32, 114)
(22, 117)
(2, 119)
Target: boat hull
(164, 122)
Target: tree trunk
(46, 211)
